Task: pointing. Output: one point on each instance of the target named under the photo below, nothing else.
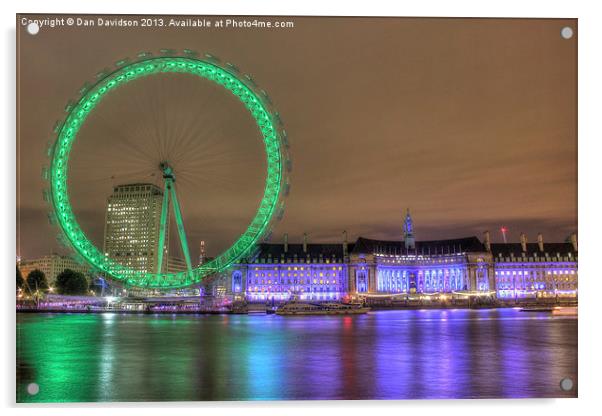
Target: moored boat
(332, 308)
(537, 309)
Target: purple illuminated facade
(320, 282)
(311, 271)
(536, 270)
(454, 267)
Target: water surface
(408, 354)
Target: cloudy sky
(471, 123)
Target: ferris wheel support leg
(162, 226)
(181, 232)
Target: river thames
(407, 354)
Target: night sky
(471, 123)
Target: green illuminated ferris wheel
(275, 144)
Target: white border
(590, 234)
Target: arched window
(236, 281)
(361, 281)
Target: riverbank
(125, 311)
(268, 310)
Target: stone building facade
(462, 267)
(52, 265)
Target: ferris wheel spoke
(155, 133)
(210, 181)
(124, 135)
(210, 152)
(187, 127)
(192, 143)
(123, 175)
(187, 137)
(177, 125)
(147, 127)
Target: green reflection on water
(59, 352)
(89, 357)
(78, 358)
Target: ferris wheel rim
(257, 104)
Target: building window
(361, 282)
(237, 282)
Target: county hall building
(461, 267)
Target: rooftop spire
(408, 231)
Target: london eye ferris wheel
(175, 153)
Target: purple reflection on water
(419, 354)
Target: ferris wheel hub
(167, 170)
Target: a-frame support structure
(170, 190)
